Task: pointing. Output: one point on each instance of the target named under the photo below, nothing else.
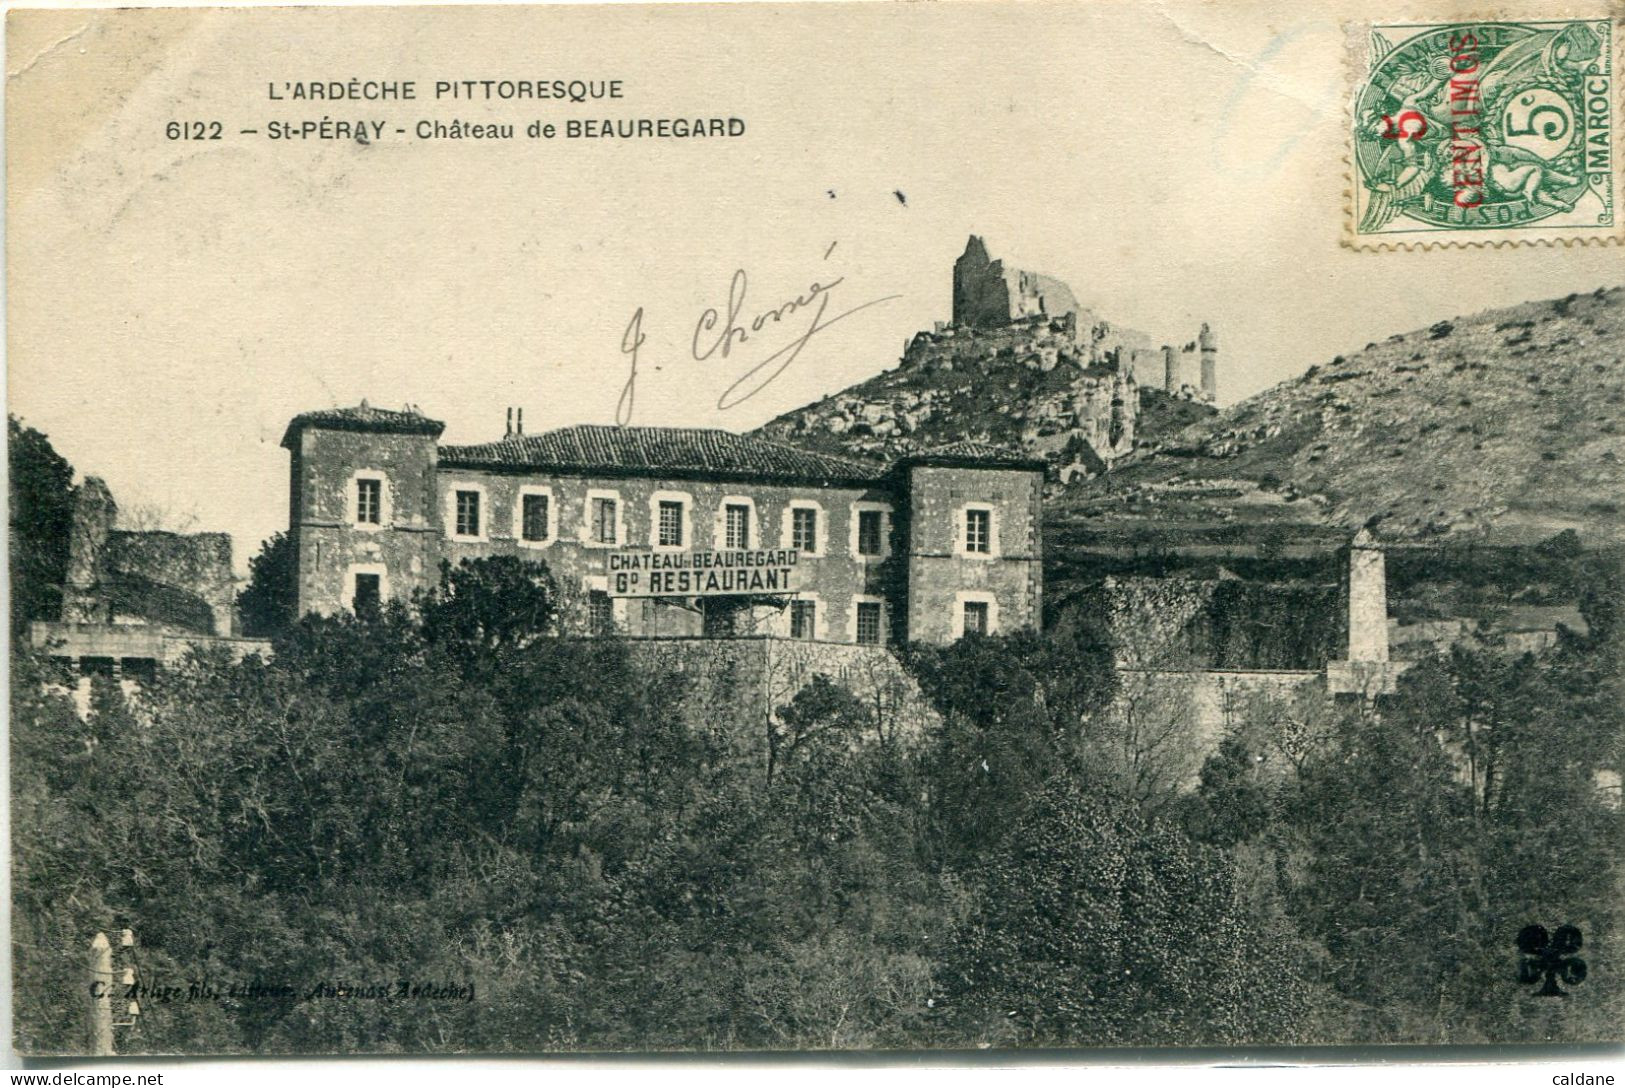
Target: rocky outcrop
(1023, 366)
(1027, 385)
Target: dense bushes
(41, 505)
(1409, 848)
(449, 798)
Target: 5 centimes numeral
(1484, 131)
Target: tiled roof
(364, 418)
(984, 450)
(972, 453)
(647, 450)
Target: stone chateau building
(925, 548)
(845, 557)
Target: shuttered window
(533, 518)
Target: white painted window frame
(687, 520)
(787, 527)
(820, 617)
(885, 619)
(975, 596)
(587, 538)
(451, 512)
(719, 524)
(519, 515)
(600, 582)
(962, 526)
(885, 511)
(365, 568)
(352, 499)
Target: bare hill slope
(1505, 427)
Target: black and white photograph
(974, 531)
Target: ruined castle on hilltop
(990, 296)
(1069, 380)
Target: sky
(173, 303)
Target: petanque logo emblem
(1548, 958)
(1484, 126)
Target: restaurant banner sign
(735, 572)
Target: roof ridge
(624, 428)
(643, 449)
(364, 417)
(971, 444)
(613, 428)
(840, 457)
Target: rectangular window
(803, 616)
(600, 612)
(869, 532)
(603, 521)
(975, 618)
(979, 531)
(369, 501)
(804, 529)
(533, 517)
(367, 594)
(869, 623)
(468, 513)
(736, 526)
(670, 533)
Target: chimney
(519, 422)
(508, 432)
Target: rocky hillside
(1033, 385)
(1504, 427)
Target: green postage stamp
(1484, 132)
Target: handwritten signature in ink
(719, 334)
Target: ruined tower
(1209, 344)
(1170, 369)
(980, 294)
(1364, 600)
(988, 294)
(94, 513)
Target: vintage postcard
(807, 527)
